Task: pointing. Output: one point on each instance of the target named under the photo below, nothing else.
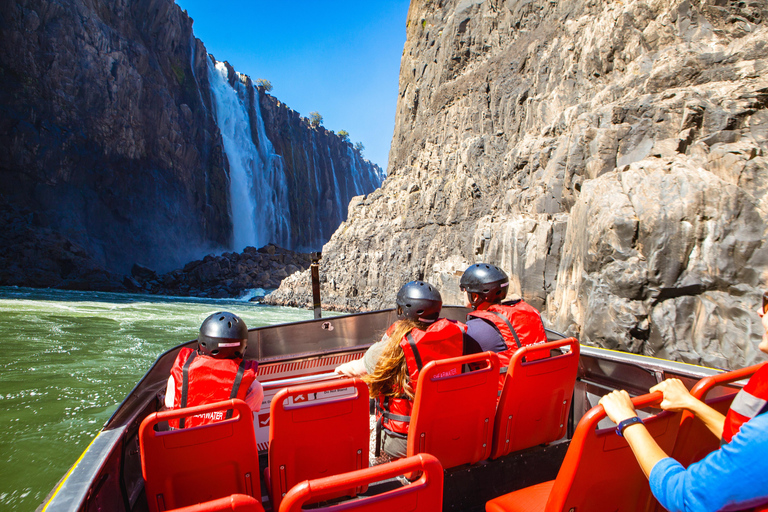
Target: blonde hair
(390, 377)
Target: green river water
(69, 358)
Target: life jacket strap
(185, 384)
(509, 324)
(236, 385)
(415, 350)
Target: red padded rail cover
(423, 495)
(225, 452)
(600, 472)
(536, 398)
(452, 416)
(234, 503)
(317, 430)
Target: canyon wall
(610, 156)
(112, 149)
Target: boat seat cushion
(530, 499)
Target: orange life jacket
(203, 379)
(519, 324)
(748, 403)
(443, 339)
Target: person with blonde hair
(391, 366)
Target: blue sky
(339, 58)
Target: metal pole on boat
(315, 268)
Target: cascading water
(260, 198)
(232, 118)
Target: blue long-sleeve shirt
(735, 477)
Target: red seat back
(423, 495)
(317, 430)
(600, 473)
(452, 416)
(234, 503)
(199, 464)
(536, 398)
(695, 440)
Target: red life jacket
(443, 339)
(748, 403)
(203, 379)
(519, 325)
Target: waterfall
(258, 189)
(259, 195)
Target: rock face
(110, 139)
(610, 156)
(105, 134)
(228, 275)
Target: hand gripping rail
(423, 495)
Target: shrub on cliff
(315, 119)
(263, 82)
(344, 134)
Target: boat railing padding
(536, 398)
(318, 429)
(173, 461)
(452, 415)
(600, 472)
(234, 503)
(294, 381)
(424, 495)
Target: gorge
(123, 141)
(609, 155)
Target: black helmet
(420, 301)
(485, 283)
(223, 336)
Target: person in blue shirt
(734, 477)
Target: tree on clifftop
(344, 134)
(359, 147)
(315, 119)
(263, 82)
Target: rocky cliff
(105, 134)
(112, 149)
(609, 155)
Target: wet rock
(228, 275)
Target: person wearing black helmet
(501, 327)
(215, 371)
(418, 301)
(391, 366)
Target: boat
(108, 475)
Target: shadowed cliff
(111, 152)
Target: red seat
(423, 495)
(536, 398)
(452, 416)
(317, 430)
(234, 503)
(600, 472)
(200, 464)
(695, 440)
